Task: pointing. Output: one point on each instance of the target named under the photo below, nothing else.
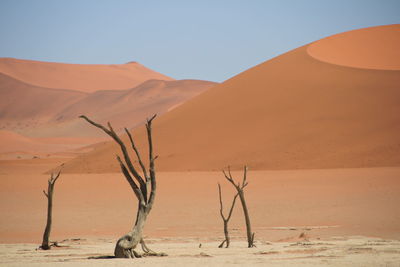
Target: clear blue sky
(203, 39)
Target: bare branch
(57, 176)
(220, 203)
(96, 124)
(228, 177)
(54, 178)
(44, 192)
(225, 219)
(110, 127)
(137, 154)
(151, 119)
(233, 205)
(128, 161)
(131, 182)
(244, 176)
(151, 162)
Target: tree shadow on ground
(101, 257)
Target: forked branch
(225, 219)
(240, 191)
(110, 131)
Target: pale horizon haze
(207, 40)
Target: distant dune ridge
(129, 108)
(44, 100)
(333, 103)
(81, 77)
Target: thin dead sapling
(239, 188)
(227, 240)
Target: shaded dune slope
(293, 111)
(43, 112)
(125, 108)
(24, 103)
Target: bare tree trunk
(144, 189)
(239, 188)
(225, 220)
(126, 244)
(250, 235)
(49, 194)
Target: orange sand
(14, 146)
(24, 105)
(369, 48)
(82, 77)
(41, 112)
(124, 108)
(291, 112)
(282, 204)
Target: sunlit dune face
(290, 112)
(369, 48)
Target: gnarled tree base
(222, 244)
(48, 246)
(122, 251)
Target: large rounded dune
(299, 110)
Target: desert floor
(346, 217)
(352, 251)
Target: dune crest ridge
(369, 48)
(80, 77)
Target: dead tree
(144, 188)
(49, 195)
(239, 188)
(225, 219)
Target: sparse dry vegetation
(240, 191)
(144, 188)
(46, 244)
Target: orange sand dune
(82, 77)
(369, 48)
(152, 96)
(23, 105)
(125, 108)
(293, 111)
(44, 112)
(51, 115)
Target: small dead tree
(225, 219)
(49, 195)
(144, 189)
(239, 188)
